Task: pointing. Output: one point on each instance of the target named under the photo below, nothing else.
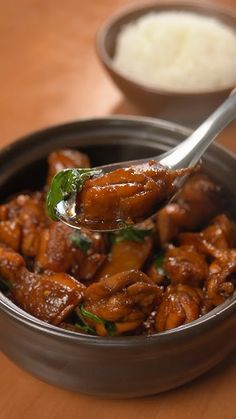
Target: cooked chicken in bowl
(148, 278)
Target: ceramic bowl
(118, 367)
(189, 107)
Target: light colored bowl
(122, 366)
(189, 107)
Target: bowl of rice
(178, 58)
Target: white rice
(178, 50)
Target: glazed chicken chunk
(181, 304)
(222, 277)
(21, 221)
(126, 254)
(61, 249)
(48, 297)
(197, 202)
(185, 265)
(64, 159)
(125, 299)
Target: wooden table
(50, 74)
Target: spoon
(185, 155)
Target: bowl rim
(105, 58)
(16, 313)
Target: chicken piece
(198, 201)
(59, 252)
(170, 221)
(203, 198)
(125, 299)
(48, 297)
(94, 256)
(56, 251)
(184, 265)
(215, 242)
(126, 255)
(155, 274)
(181, 304)
(33, 219)
(126, 195)
(4, 209)
(218, 235)
(87, 270)
(131, 248)
(10, 234)
(11, 263)
(65, 159)
(155, 270)
(221, 280)
(220, 232)
(25, 216)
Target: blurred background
(50, 72)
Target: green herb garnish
(4, 285)
(110, 326)
(130, 233)
(85, 327)
(65, 184)
(159, 260)
(82, 241)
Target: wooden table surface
(50, 74)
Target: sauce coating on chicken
(126, 195)
(143, 279)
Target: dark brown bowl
(190, 107)
(121, 366)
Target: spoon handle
(189, 152)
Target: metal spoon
(186, 154)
